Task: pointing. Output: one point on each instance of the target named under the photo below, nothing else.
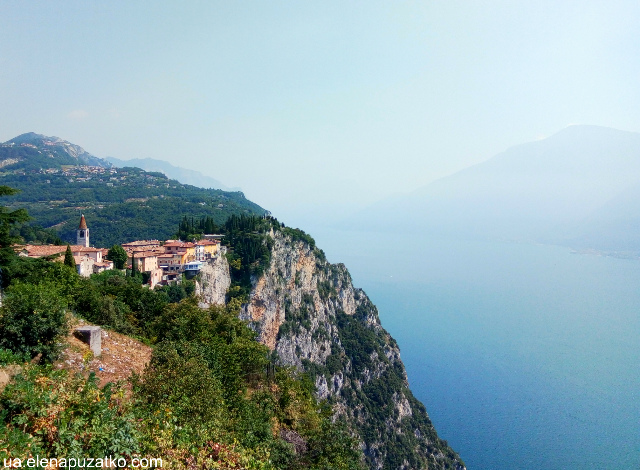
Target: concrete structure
(212, 236)
(92, 335)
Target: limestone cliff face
(308, 311)
(214, 280)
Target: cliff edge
(308, 312)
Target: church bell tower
(82, 236)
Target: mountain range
(184, 175)
(578, 188)
(31, 149)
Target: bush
(52, 413)
(9, 357)
(32, 319)
(179, 381)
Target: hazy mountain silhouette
(579, 187)
(183, 175)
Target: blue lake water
(526, 356)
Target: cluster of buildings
(164, 262)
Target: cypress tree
(133, 264)
(68, 258)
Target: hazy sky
(323, 105)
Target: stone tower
(82, 237)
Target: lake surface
(526, 356)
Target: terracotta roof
(179, 244)
(83, 223)
(37, 251)
(206, 242)
(145, 254)
(104, 263)
(173, 243)
(142, 243)
(84, 249)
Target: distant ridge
(577, 188)
(52, 147)
(184, 175)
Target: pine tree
(68, 258)
(133, 264)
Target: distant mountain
(564, 189)
(60, 180)
(33, 150)
(183, 175)
(614, 227)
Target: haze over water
(526, 356)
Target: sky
(316, 107)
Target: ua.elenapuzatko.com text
(88, 462)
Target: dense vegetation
(233, 408)
(120, 213)
(191, 228)
(249, 250)
(57, 186)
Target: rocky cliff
(308, 311)
(213, 281)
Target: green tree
(133, 265)
(118, 255)
(32, 318)
(68, 258)
(9, 219)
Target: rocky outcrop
(214, 280)
(308, 311)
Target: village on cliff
(164, 262)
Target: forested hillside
(120, 204)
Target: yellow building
(206, 249)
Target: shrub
(9, 357)
(32, 319)
(52, 413)
(179, 381)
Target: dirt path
(120, 357)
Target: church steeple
(82, 235)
